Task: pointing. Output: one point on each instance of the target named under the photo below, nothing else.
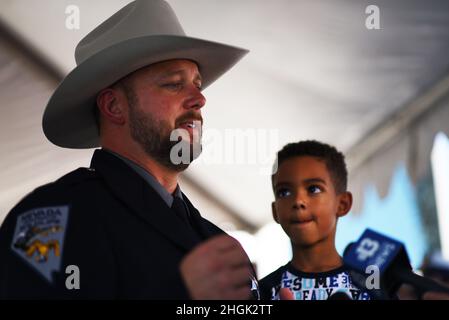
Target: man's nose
(196, 100)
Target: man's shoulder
(52, 226)
(74, 179)
(60, 192)
(71, 179)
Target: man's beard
(154, 137)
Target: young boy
(310, 188)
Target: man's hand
(217, 269)
(435, 296)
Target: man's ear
(110, 106)
(273, 212)
(345, 203)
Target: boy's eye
(282, 193)
(314, 189)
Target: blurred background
(373, 83)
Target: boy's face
(306, 203)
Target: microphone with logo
(380, 265)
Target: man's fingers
(221, 243)
(215, 261)
(236, 278)
(233, 259)
(219, 253)
(217, 269)
(244, 293)
(432, 295)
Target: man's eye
(282, 193)
(173, 86)
(314, 189)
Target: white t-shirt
(310, 286)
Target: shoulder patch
(39, 238)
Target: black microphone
(376, 253)
(339, 296)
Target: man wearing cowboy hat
(122, 228)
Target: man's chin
(180, 159)
(178, 167)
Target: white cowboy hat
(142, 33)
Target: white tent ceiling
(314, 71)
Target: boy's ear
(274, 213)
(345, 204)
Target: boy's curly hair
(335, 160)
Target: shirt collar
(150, 179)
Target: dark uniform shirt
(105, 224)
(150, 179)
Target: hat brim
(69, 119)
